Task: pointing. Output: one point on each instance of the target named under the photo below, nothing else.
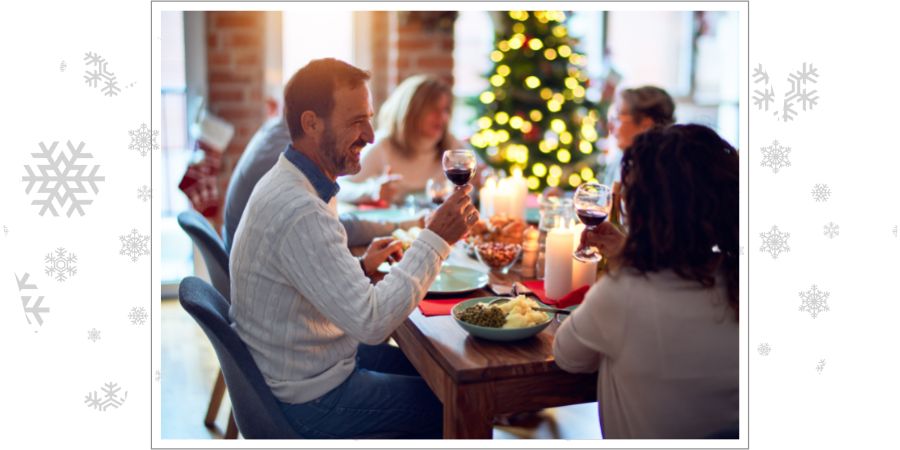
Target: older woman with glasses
(636, 111)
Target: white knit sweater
(300, 300)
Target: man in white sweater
(303, 304)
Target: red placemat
(440, 306)
(572, 298)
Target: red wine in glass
(459, 175)
(592, 217)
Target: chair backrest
(256, 410)
(211, 248)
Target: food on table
(498, 229)
(483, 315)
(516, 313)
(498, 255)
(520, 313)
(406, 237)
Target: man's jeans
(384, 397)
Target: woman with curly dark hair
(662, 326)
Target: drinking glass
(592, 204)
(459, 166)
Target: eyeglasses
(617, 117)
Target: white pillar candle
(583, 273)
(558, 261)
(486, 197)
(502, 198)
(519, 188)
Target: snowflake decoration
(134, 245)
(62, 180)
(98, 75)
(820, 366)
(110, 398)
(35, 309)
(814, 301)
(93, 335)
(776, 156)
(764, 349)
(821, 192)
(143, 193)
(799, 92)
(143, 139)
(156, 375)
(895, 230)
(832, 230)
(775, 242)
(60, 264)
(138, 315)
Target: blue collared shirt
(326, 188)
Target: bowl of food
(496, 229)
(498, 256)
(510, 321)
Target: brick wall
(236, 79)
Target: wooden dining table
(476, 379)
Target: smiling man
(303, 304)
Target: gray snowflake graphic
(775, 242)
(134, 245)
(62, 180)
(93, 335)
(62, 66)
(111, 397)
(895, 230)
(764, 349)
(35, 309)
(820, 366)
(6, 231)
(814, 301)
(60, 264)
(765, 97)
(143, 193)
(821, 192)
(776, 156)
(143, 139)
(97, 75)
(832, 230)
(156, 376)
(799, 92)
(138, 315)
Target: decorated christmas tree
(534, 116)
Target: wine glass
(438, 190)
(459, 166)
(592, 204)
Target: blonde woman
(411, 137)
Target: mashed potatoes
(520, 313)
(406, 236)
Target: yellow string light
(516, 41)
(503, 70)
(478, 140)
(553, 181)
(563, 156)
(519, 27)
(555, 171)
(497, 80)
(535, 44)
(496, 56)
(546, 93)
(559, 31)
(503, 135)
(533, 183)
(526, 127)
(484, 122)
(503, 45)
(578, 92)
(535, 115)
(486, 97)
(557, 125)
(565, 137)
(586, 148)
(564, 50)
(574, 180)
(539, 169)
(532, 82)
(550, 54)
(501, 118)
(516, 122)
(553, 106)
(543, 146)
(587, 173)
(571, 83)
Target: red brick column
(236, 79)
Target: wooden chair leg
(215, 401)
(231, 431)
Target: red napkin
(572, 298)
(373, 204)
(440, 306)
